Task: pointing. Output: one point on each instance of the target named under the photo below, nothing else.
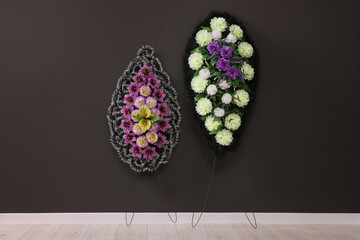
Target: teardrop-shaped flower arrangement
(219, 72)
(144, 116)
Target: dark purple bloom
(159, 94)
(226, 51)
(129, 137)
(232, 73)
(149, 152)
(139, 79)
(136, 151)
(126, 125)
(127, 110)
(146, 71)
(129, 99)
(163, 124)
(222, 64)
(161, 140)
(133, 88)
(153, 81)
(213, 47)
(163, 108)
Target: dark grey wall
(59, 63)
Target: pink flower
(149, 152)
(133, 88)
(135, 151)
(127, 110)
(139, 79)
(160, 141)
(154, 127)
(139, 101)
(126, 125)
(163, 108)
(145, 71)
(153, 81)
(163, 124)
(129, 137)
(129, 99)
(159, 94)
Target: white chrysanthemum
(198, 84)
(195, 61)
(203, 37)
(218, 24)
(203, 106)
(211, 89)
(224, 137)
(241, 98)
(232, 121)
(224, 85)
(204, 73)
(236, 30)
(211, 124)
(245, 49)
(219, 112)
(248, 71)
(216, 35)
(226, 98)
(230, 38)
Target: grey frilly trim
(144, 56)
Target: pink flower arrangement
(144, 92)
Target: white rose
(211, 89)
(219, 112)
(218, 24)
(198, 84)
(224, 85)
(203, 37)
(204, 73)
(241, 98)
(248, 71)
(224, 137)
(232, 121)
(245, 49)
(212, 124)
(195, 61)
(236, 30)
(216, 35)
(230, 38)
(226, 98)
(203, 106)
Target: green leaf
(203, 117)
(154, 119)
(245, 86)
(212, 62)
(195, 50)
(138, 117)
(197, 97)
(206, 28)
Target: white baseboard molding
(183, 217)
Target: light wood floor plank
(101, 232)
(71, 232)
(134, 232)
(187, 232)
(13, 232)
(41, 232)
(162, 232)
(222, 232)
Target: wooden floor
(178, 231)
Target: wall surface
(59, 64)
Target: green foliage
(138, 117)
(206, 28)
(198, 96)
(154, 119)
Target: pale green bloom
(195, 61)
(245, 49)
(198, 84)
(211, 124)
(236, 31)
(218, 24)
(232, 121)
(241, 98)
(203, 106)
(203, 37)
(224, 137)
(248, 71)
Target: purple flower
(159, 94)
(213, 47)
(163, 124)
(161, 140)
(129, 99)
(129, 137)
(127, 110)
(139, 101)
(149, 152)
(126, 125)
(232, 73)
(139, 79)
(154, 127)
(153, 81)
(133, 88)
(145, 71)
(226, 51)
(222, 64)
(163, 108)
(136, 151)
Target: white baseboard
(183, 217)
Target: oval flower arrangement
(219, 69)
(144, 115)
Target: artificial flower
(224, 137)
(137, 129)
(144, 124)
(226, 98)
(136, 114)
(126, 111)
(224, 85)
(145, 91)
(232, 72)
(218, 24)
(216, 35)
(222, 64)
(219, 112)
(159, 94)
(132, 88)
(163, 109)
(129, 99)
(230, 38)
(139, 79)
(155, 112)
(141, 141)
(151, 102)
(129, 137)
(203, 106)
(160, 141)
(245, 49)
(226, 51)
(241, 98)
(136, 151)
(198, 84)
(213, 47)
(236, 31)
(195, 61)
(232, 121)
(126, 125)
(154, 127)
(139, 102)
(204, 73)
(146, 71)
(149, 153)
(211, 89)
(151, 137)
(248, 71)
(203, 37)
(153, 81)
(163, 124)
(144, 111)
(211, 124)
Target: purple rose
(213, 47)
(226, 51)
(222, 64)
(232, 73)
